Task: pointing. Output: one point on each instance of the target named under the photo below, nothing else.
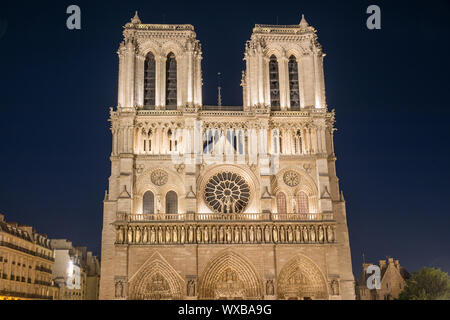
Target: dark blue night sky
(390, 89)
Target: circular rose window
(227, 192)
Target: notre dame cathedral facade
(218, 202)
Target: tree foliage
(427, 284)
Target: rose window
(291, 178)
(227, 192)
(159, 177)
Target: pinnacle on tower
(135, 19)
(303, 23)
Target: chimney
(382, 264)
(2, 217)
(397, 264)
(365, 266)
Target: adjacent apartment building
(76, 271)
(26, 263)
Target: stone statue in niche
(244, 235)
(160, 235)
(228, 234)
(321, 234)
(198, 234)
(275, 234)
(158, 203)
(174, 234)
(298, 234)
(213, 234)
(130, 235)
(270, 288)
(335, 287)
(236, 234)
(282, 234)
(182, 234)
(266, 234)
(251, 234)
(138, 235)
(145, 236)
(119, 289)
(191, 234)
(205, 235)
(258, 234)
(305, 234)
(191, 288)
(294, 205)
(289, 234)
(312, 234)
(152, 235)
(221, 235)
(330, 234)
(168, 234)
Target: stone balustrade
(225, 217)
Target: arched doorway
(301, 279)
(156, 280)
(230, 276)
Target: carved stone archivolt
(150, 234)
(301, 279)
(156, 280)
(230, 276)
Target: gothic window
(171, 202)
(227, 192)
(294, 94)
(171, 82)
(274, 83)
(302, 202)
(281, 203)
(148, 203)
(149, 81)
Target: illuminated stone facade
(26, 264)
(76, 271)
(216, 202)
